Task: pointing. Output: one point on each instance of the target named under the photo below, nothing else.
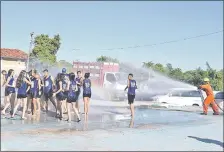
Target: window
(185, 94)
(219, 95)
(110, 77)
(192, 93)
(175, 94)
(195, 94)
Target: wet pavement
(107, 120)
(104, 122)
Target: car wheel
(195, 105)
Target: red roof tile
(13, 53)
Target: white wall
(16, 65)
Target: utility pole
(30, 48)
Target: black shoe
(203, 113)
(60, 117)
(215, 113)
(78, 120)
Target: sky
(93, 26)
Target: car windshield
(121, 76)
(219, 95)
(185, 93)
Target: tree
(46, 48)
(65, 64)
(177, 74)
(148, 64)
(168, 68)
(159, 67)
(106, 59)
(193, 77)
(101, 59)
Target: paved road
(110, 128)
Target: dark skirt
(71, 99)
(61, 96)
(9, 90)
(21, 96)
(131, 98)
(48, 95)
(34, 94)
(86, 95)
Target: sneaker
(23, 118)
(215, 113)
(78, 120)
(203, 113)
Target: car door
(196, 97)
(174, 97)
(191, 97)
(184, 98)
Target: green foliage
(106, 59)
(194, 77)
(64, 64)
(46, 48)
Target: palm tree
(148, 64)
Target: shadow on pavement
(210, 141)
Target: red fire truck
(106, 76)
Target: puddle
(145, 118)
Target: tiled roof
(13, 53)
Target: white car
(219, 99)
(181, 97)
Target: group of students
(63, 92)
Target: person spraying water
(210, 99)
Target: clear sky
(93, 26)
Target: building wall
(14, 64)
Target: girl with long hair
(9, 91)
(71, 98)
(60, 94)
(86, 93)
(22, 83)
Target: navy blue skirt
(61, 96)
